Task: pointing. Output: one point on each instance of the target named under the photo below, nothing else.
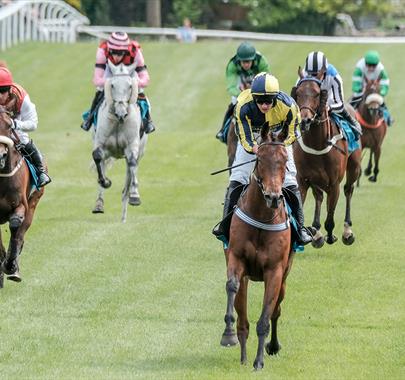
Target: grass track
(146, 299)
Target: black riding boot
(31, 152)
(148, 124)
(296, 205)
(232, 195)
(98, 97)
(229, 112)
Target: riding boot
(98, 97)
(148, 124)
(386, 115)
(31, 152)
(355, 125)
(296, 206)
(229, 112)
(232, 195)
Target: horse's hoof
(367, 171)
(16, 277)
(105, 184)
(98, 210)
(331, 240)
(134, 201)
(349, 240)
(373, 178)
(229, 340)
(318, 243)
(272, 348)
(9, 268)
(258, 364)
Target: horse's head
(6, 143)
(372, 100)
(270, 168)
(310, 98)
(121, 90)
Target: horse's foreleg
(272, 285)
(242, 322)
(370, 164)
(99, 206)
(352, 174)
(125, 195)
(98, 157)
(317, 239)
(332, 198)
(132, 169)
(235, 273)
(377, 154)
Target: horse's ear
(300, 72)
(321, 73)
(265, 132)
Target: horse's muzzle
(273, 200)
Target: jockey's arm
(293, 120)
(99, 69)
(357, 82)
(336, 101)
(27, 120)
(232, 80)
(244, 129)
(141, 70)
(384, 83)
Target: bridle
(272, 200)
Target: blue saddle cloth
(350, 135)
(33, 175)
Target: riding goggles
(262, 99)
(118, 52)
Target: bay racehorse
(18, 199)
(260, 250)
(322, 159)
(371, 118)
(119, 135)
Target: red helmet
(118, 41)
(6, 79)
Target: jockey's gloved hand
(13, 124)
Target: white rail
(38, 20)
(103, 31)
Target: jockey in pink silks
(120, 49)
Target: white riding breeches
(242, 173)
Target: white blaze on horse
(118, 134)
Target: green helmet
(246, 52)
(372, 57)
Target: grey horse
(118, 134)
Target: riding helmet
(372, 57)
(118, 41)
(246, 52)
(315, 61)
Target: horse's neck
(319, 132)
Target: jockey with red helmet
(24, 119)
(119, 48)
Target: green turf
(146, 299)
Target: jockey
(333, 83)
(24, 119)
(120, 49)
(262, 104)
(370, 68)
(240, 71)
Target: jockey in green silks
(240, 71)
(370, 68)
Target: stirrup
(45, 179)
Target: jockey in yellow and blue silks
(263, 104)
(240, 71)
(370, 68)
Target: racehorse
(374, 127)
(322, 159)
(118, 134)
(260, 250)
(18, 199)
